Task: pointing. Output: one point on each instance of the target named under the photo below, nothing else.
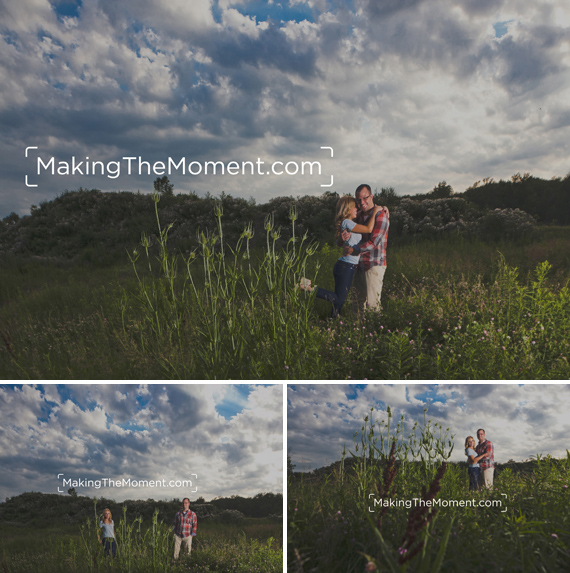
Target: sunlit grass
(444, 314)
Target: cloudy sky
(230, 436)
(521, 420)
(407, 93)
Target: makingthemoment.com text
(125, 482)
(138, 166)
(419, 502)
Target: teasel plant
(242, 318)
(418, 541)
(386, 485)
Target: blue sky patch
(66, 8)
(277, 11)
(431, 396)
(234, 401)
(501, 28)
(352, 394)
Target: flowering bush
(454, 215)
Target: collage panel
(141, 477)
(428, 477)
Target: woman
(473, 461)
(107, 526)
(346, 266)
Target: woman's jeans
(343, 274)
(473, 478)
(109, 545)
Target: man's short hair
(361, 187)
(186, 498)
(481, 430)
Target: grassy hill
(96, 227)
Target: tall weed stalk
(223, 312)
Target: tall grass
(237, 316)
(449, 311)
(334, 524)
(143, 547)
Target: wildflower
(555, 536)
(370, 566)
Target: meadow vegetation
(467, 295)
(336, 525)
(65, 539)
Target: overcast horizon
(407, 93)
(226, 439)
(520, 420)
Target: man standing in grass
(487, 464)
(185, 524)
(372, 250)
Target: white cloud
(408, 93)
(101, 431)
(520, 420)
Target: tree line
(43, 509)
(92, 226)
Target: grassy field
(334, 525)
(452, 309)
(253, 545)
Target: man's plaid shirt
(185, 523)
(372, 248)
(489, 460)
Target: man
(185, 524)
(487, 464)
(372, 250)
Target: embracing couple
(480, 459)
(362, 231)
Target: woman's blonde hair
(103, 514)
(467, 440)
(343, 208)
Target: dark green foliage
(262, 505)
(547, 201)
(387, 197)
(39, 509)
(441, 191)
(95, 227)
(163, 186)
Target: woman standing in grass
(473, 461)
(346, 266)
(107, 526)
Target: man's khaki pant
(369, 287)
(186, 541)
(488, 477)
